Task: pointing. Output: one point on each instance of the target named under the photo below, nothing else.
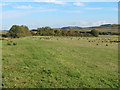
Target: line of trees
(109, 33)
(47, 31)
(17, 31)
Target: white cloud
(13, 14)
(93, 8)
(100, 22)
(78, 4)
(44, 10)
(116, 9)
(64, 0)
(84, 23)
(24, 7)
(4, 4)
(50, 1)
(95, 23)
(20, 13)
(73, 11)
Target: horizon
(61, 27)
(57, 15)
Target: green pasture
(60, 62)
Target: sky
(57, 14)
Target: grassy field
(60, 62)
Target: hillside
(103, 28)
(72, 27)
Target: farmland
(60, 62)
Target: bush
(45, 31)
(18, 31)
(9, 43)
(14, 43)
(94, 33)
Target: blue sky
(58, 13)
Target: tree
(58, 32)
(94, 33)
(45, 31)
(18, 31)
(64, 32)
(70, 33)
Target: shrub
(94, 32)
(106, 44)
(45, 31)
(9, 43)
(14, 43)
(18, 31)
(74, 74)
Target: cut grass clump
(49, 72)
(14, 43)
(8, 43)
(74, 74)
(11, 43)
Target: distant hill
(104, 28)
(3, 30)
(71, 27)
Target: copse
(17, 31)
(94, 33)
(58, 32)
(45, 31)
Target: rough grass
(60, 62)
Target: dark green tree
(58, 32)
(65, 32)
(18, 31)
(94, 33)
(45, 31)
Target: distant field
(60, 62)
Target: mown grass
(60, 62)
